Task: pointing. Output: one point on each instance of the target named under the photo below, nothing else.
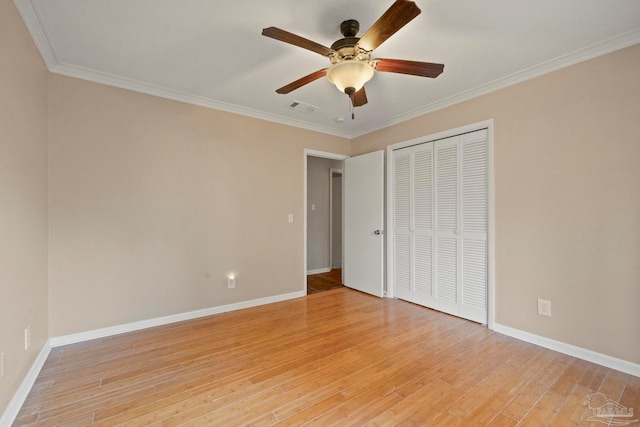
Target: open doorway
(335, 218)
(323, 223)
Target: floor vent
(302, 107)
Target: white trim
(571, 350)
(389, 229)
(31, 17)
(10, 413)
(159, 321)
(324, 154)
(331, 172)
(598, 49)
(163, 92)
(13, 408)
(485, 124)
(318, 271)
(491, 267)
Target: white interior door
(363, 223)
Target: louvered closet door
(422, 223)
(474, 226)
(402, 264)
(413, 223)
(441, 225)
(446, 224)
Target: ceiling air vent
(302, 107)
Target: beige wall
(153, 202)
(567, 199)
(23, 199)
(318, 220)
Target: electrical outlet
(231, 282)
(544, 307)
(27, 337)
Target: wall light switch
(231, 282)
(313, 206)
(290, 218)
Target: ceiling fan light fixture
(350, 74)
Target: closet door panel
(422, 157)
(402, 208)
(402, 190)
(402, 264)
(474, 226)
(447, 275)
(422, 225)
(473, 304)
(446, 225)
(474, 184)
(446, 181)
(423, 250)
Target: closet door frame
(487, 124)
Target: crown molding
(581, 55)
(31, 16)
(163, 92)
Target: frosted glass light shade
(350, 73)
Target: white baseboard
(11, 411)
(144, 324)
(318, 271)
(571, 350)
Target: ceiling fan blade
(302, 81)
(287, 37)
(359, 98)
(397, 16)
(415, 68)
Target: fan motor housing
(347, 42)
(347, 48)
(349, 28)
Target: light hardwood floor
(334, 358)
(324, 281)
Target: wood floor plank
(527, 397)
(502, 420)
(573, 411)
(543, 410)
(332, 358)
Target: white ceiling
(211, 52)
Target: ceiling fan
(351, 62)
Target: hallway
(324, 281)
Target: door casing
(326, 155)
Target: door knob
(377, 232)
